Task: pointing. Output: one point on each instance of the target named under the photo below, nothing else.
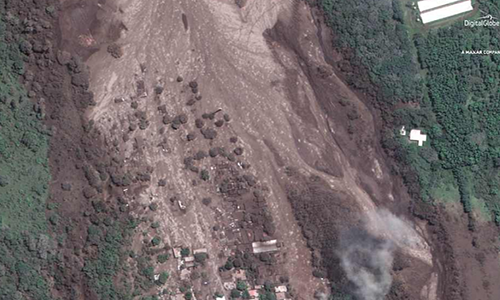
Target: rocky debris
(63, 58)
(176, 124)
(143, 121)
(204, 175)
(115, 50)
(66, 187)
(89, 192)
(219, 123)
(159, 89)
(119, 100)
(144, 177)
(183, 118)
(167, 119)
(250, 179)
(240, 3)
(141, 89)
(162, 109)
(199, 123)
(238, 151)
(200, 155)
(153, 206)
(179, 79)
(193, 84)
(185, 22)
(80, 80)
(213, 152)
(191, 136)
(209, 133)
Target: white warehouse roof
(446, 11)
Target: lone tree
(185, 252)
(156, 241)
(241, 285)
(163, 278)
(235, 293)
(204, 175)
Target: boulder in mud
(209, 133)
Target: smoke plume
(367, 254)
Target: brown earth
(310, 142)
(288, 109)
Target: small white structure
(281, 289)
(221, 298)
(202, 250)
(402, 131)
(416, 135)
(434, 10)
(263, 247)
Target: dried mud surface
(305, 166)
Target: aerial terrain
(248, 149)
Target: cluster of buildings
(435, 10)
(254, 290)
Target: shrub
(162, 258)
(229, 265)
(241, 285)
(163, 278)
(200, 257)
(185, 252)
(156, 241)
(155, 225)
(235, 293)
(204, 175)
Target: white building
(416, 135)
(434, 10)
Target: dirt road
(262, 64)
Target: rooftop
(434, 10)
(416, 135)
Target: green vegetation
(200, 257)
(185, 252)
(24, 172)
(162, 258)
(102, 270)
(422, 80)
(235, 294)
(156, 241)
(163, 278)
(26, 251)
(372, 34)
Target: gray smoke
(367, 254)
